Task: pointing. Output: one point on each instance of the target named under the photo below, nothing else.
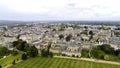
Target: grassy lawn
(40, 62)
(9, 59)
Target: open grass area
(9, 59)
(40, 62)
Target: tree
(0, 66)
(68, 38)
(15, 43)
(107, 49)
(18, 37)
(61, 29)
(117, 52)
(24, 56)
(5, 28)
(84, 53)
(85, 27)
(14, 52)
(44, 53)
(20, 45)
(32, 52)
(27, 47)
(24, 46)
(48, 47)
(91, 37)
(91, 32)
(61, 36)
(3, 51)
(51, 54)
(98, 54)
(54, 29)
(73, 55)
(78, 34)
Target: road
(88, 59)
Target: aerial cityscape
(59, 34)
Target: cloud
(60, 9)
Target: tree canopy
(68, 38)
(3, 51)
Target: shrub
(77, 56)
(73, 55)
(44, 53)
(84, 53)
(13, 62)
(32, 52)
(14, 53)
(106, 57)
(51, 54)
(24, 56)
(63, 54)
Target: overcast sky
(60, 10)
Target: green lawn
(40, 62)
(9, 59)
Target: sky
(34, 10)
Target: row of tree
(67, 38)
(102, 52)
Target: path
(92, 60)
(11, 64)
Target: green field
(9, 59)
(40, 62)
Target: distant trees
(61, 29)
(91, 34)
(75, 26)
(53, 29)
(61, 36)
(85, 27)
(5, 28)
(78, 34)
(117, 33)
(18, 37)
(68, 38)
